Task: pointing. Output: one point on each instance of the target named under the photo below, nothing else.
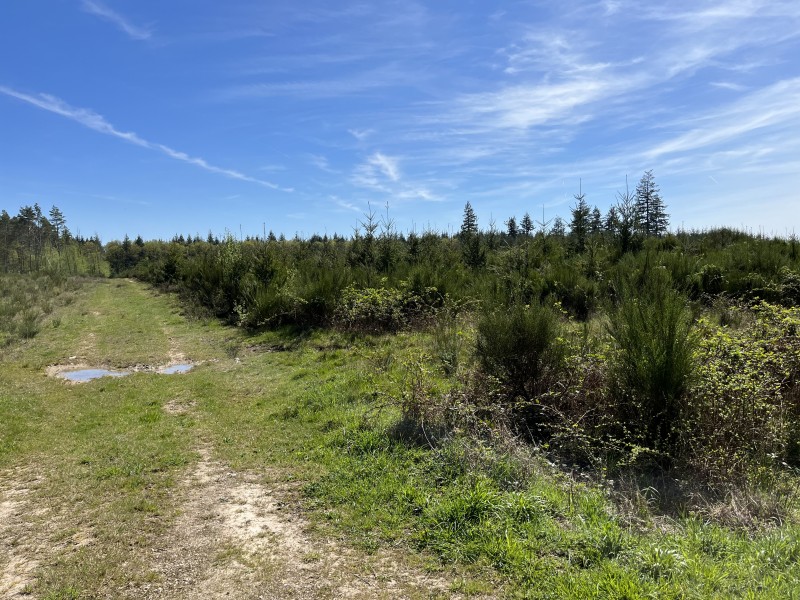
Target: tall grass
(26, 300)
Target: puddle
(89, 374)
(172, 370)
(82, 375)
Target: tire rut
(237, 537)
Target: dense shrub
(744, 404)
(520, 346)
(26, 300)
(377, 310)
(652, 329)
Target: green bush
(744, 405)
(652, 330)
(448, 343)
(385, 309)
(28, 325)
(520, 346)
(371, 309)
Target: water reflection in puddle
(175, 369)
(83, 375)
(89, 374)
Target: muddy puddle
(83, 375)
(174, 369)
(89, 374)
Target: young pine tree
(471, 245)
(526, 225)
(651, 215)
(470, 223)
(512, 231)
(579, 226)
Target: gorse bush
(520, 346)
(652, 329)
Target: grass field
(278, 468)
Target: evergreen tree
(511, 228)
(471, 246)
(595, 221)
(59, 224)
(470, 223)
(624, 216)
(559, 228)
(579, 226)
(527, 225)
(610, 221)
(651, 216)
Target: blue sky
(184, 116)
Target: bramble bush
(743, 407)
(385, 309)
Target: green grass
(321, 408)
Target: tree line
(32, 242)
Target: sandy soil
(237, 537)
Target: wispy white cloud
(564, 77)
(694, 16)
(386, 165)
(729, 85)
(526, 106)
(362, 82)
(774, 105)
(611, 7)
(99, 9)
(344, 204)
(323, 164)
(550, 52)
(361, 134)
(98, 123)
(381, 173)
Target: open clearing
(184, 486)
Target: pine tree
(579, 226)
(559, 229)
(610, 222)
(471, 246)
(595, 221)
(59, 224)
(651, 215)
(527, 225)
(511, 228)
(470, 223)
(625, 218)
